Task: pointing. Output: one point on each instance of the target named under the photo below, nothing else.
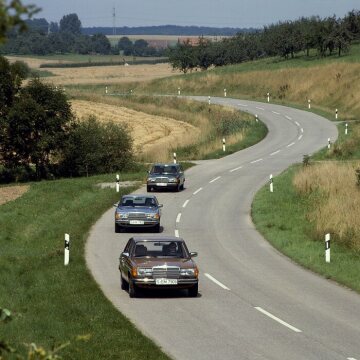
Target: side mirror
(193, 254)
(116, 205)
(125, 254)
(148, 171)
(160, 205)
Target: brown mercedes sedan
(158, 262)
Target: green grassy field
(52, 304)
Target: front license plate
(161, 184)
(136, 222)
(166, 281)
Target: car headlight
(187, 272)
(119, 216)
(173, 180)
(151, 180)
(144, 272)
(153, 216)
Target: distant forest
(167, 30)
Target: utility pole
(114, 21)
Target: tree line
(40, 138)
(285, 39)
(44, 38)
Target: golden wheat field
(153, 135)
(337, 205)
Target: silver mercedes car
(134, 211)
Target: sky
(214, 13)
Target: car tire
(148, 188)
(193, 291)
(133, 290)
(117, 228)
(182, 187)
(157, 228)
(123, 283)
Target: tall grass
(335, 197)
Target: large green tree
(70, 23)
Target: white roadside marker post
(268, 97)
(174, 157)
(336, 113)
(329, 144)
(224, 92)
(346, 128)
(117, 183)
(106, 90)
(209, 100)
(179, 91)
(67, 249)
(327, 248)
(223, 143)
(256, 118)
(131, 92)
(271, 183)
(309, 103)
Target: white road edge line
(351, 359)
(242, 105)
(288, 117)
(197, 191)
(213, 180)
(178, 217)
(185, 203)
(255, 161)
(277, 319)
(299, 138)
(275, 112)
(260, 108)
(238, 168)
(302, 130)
(177, 233)
(275, 152)
(290, 144)
(216, 281)
(297, 123)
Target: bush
(96, 147)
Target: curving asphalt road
(254, 303)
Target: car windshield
(164, 169)
(138, 201)
(160, 249)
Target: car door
(125, 264)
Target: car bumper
(146, 223)
(150, 283)
(159, 186)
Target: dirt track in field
(10, 193)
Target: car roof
(157, 238)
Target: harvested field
(100, 74)
(153, 135)
(10, 193)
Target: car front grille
(137, 216)
(167, 272)
(162, 180)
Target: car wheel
(124, 284)
(133, 291)
(157, 228)
(117, 228)
(178, 188)
(182, 187)
(148, 188)
(193, 291)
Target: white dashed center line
(216, 281)
(275, 152)
(197, 191)
(178, 217)
(238, 168)
(351, 359)
(302, 130)
(213, 180)
(185, 203)
(299, 138)
(297, 123)
(277, 319)
(255, 161)
(288, 117)
(290, 144)
(275, 112)
(242, 105)
(177, 233)
(260, 108)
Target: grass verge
(281, 217)
(52, 304)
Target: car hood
(149, 263)
(137, 209)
